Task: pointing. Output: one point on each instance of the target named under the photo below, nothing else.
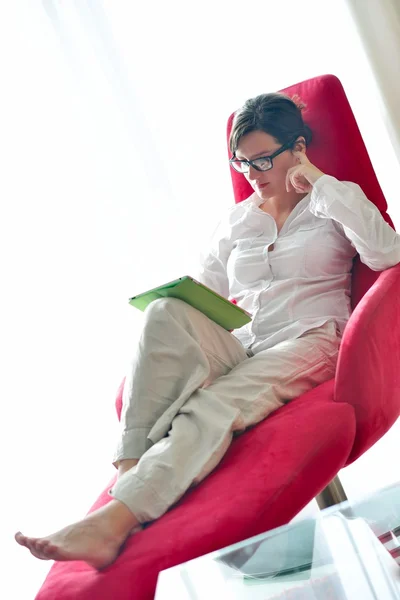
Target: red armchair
(272, 471)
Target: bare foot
(126, 464)
(97, 539)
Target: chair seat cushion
(267, 476)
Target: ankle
(117, 518)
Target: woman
(285, 254)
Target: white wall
(378, 22)
(114, 173)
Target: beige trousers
(192, 386)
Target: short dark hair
(275, 114)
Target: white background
(113, 175)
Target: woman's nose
(253, 174)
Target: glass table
(347, 552)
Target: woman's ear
(300, 145)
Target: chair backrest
(337, 148)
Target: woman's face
(270, 183)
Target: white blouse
(299, 278)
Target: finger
(295, 179)
(288, 181)
(298, 180)
(296, 176)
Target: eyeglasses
(263, 163)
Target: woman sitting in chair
(285, 254)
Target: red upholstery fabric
(118, 400)
(272, 471)
(267, 476)
(368, 373)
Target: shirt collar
(257, 201)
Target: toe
(39, 549)
(49, 551)
(41, 544)
(55, 553)
(21, 539)
(30, 543)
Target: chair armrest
(368, 372)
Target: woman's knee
(166, 303)
(164, 310)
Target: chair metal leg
(332, 494)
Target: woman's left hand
(303, 176)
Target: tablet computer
(215, 307)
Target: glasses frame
(250, 163)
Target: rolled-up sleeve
(212, 269)
(375, 241)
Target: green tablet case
(214, 306)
